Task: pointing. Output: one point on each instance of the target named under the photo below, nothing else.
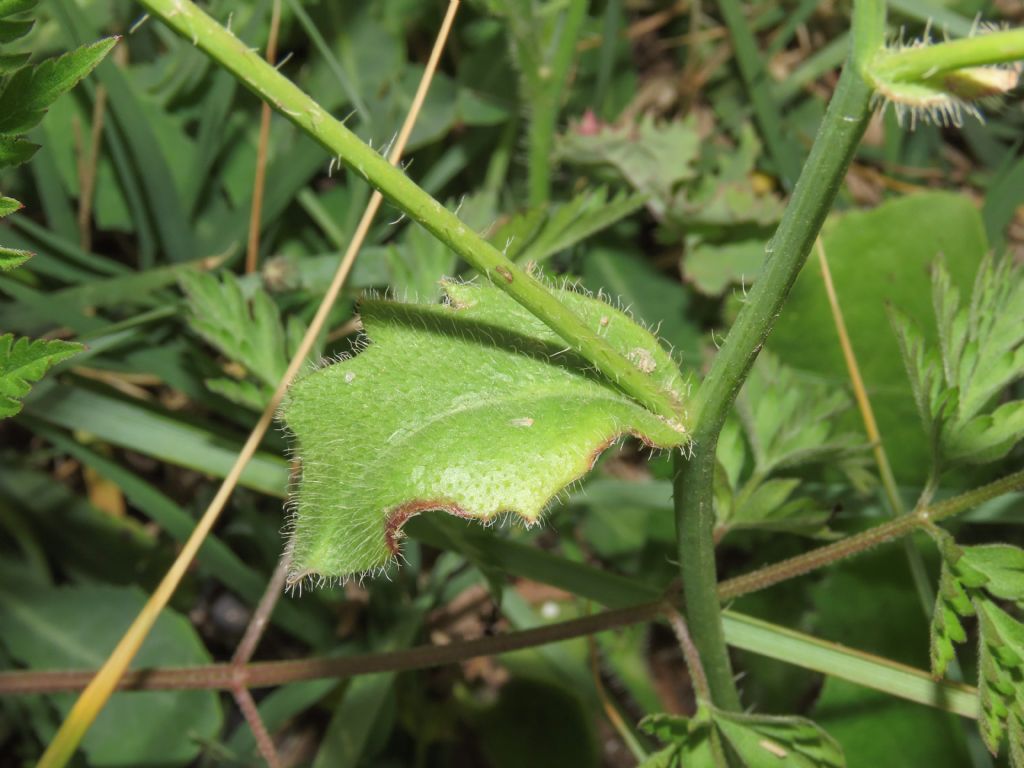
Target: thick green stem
(252, 70)
(815, 191)
(927, 61)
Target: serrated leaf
(8, 206)
(247, 330)
(1000, 670)
(476, 408)
(637, 154)
(757, 741)
(922, 371)
(787, 422)
(767, 741)
(23, 362)
(27, 94)
(768, 507)
(946, 631)
(980, 354)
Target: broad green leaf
(876, 258)
(23, 362)
(475, 407)
(26, 95)
(767, 741)
(75, 627)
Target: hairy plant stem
(834, 146)
(255, 73)
(927, 61)
(919, 519)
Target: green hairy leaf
(784, 422)
(980, 353)
(474, 407)
(974, 581)
(758, 741)
(248, 331)
(24, 361)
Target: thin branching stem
(869, 539)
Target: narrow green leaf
(476, 408)
(27, 94)
(23, 362)
(154, 433)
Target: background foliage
(138, 250)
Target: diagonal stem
(193, 24)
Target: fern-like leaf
(24, 361)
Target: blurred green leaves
(756, 741)
(785, 424)
(248, 331)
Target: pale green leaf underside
(474, 407)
